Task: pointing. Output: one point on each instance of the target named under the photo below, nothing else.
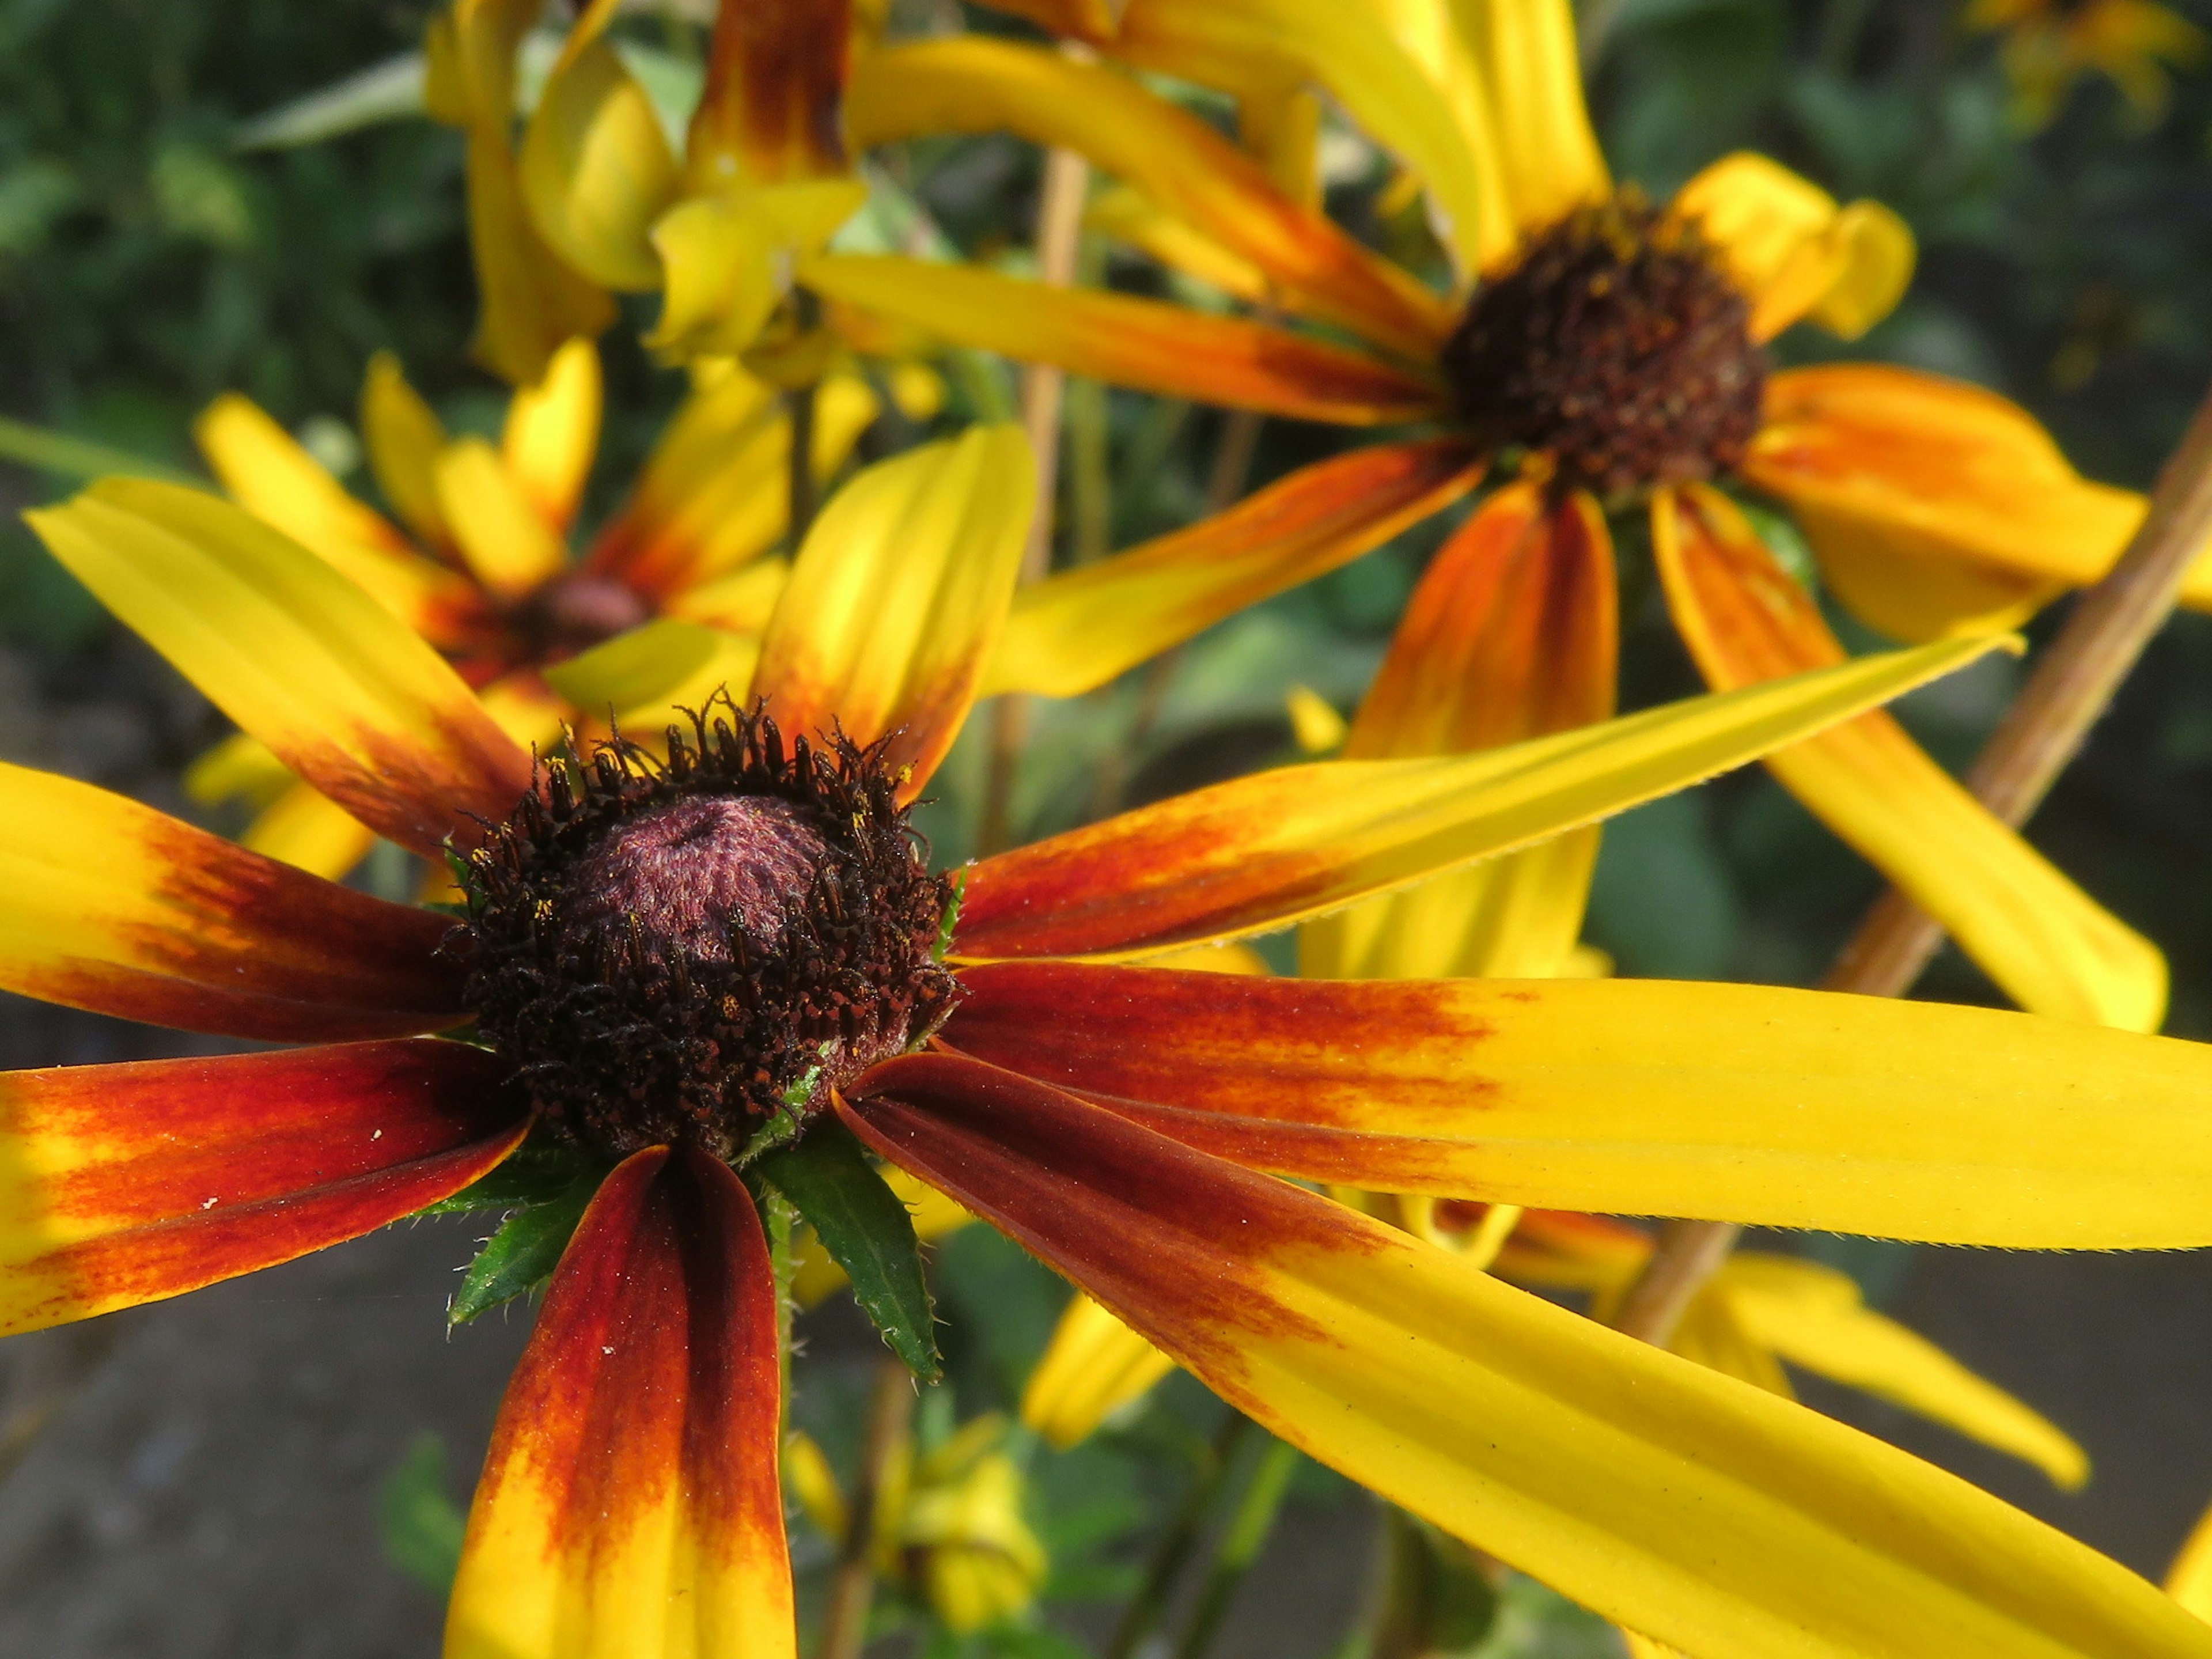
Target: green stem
(1240, 1546)
(1176, 1543)
(77, 458)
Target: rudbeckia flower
(689, 972)
(480, 564)
(2050, 45)
(1609, 350)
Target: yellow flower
(480, 563)
(2050, 45)
(1608, 349)
(645, 962)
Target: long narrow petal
(404, 436)
(340, 689)
(552, 431)
(629, 1503)
(1264, 851)
(1940, 471)
(1532, 68)
(115, 907)
(267, 472)
(1512, 633)
(303, 829)
(1075, 631)
(900, 595)
(1733, 1103)
(498, 529)
(973, 83)
(1093, 1366)
(1732, 1524)
(1143, 343)
(2049, 945)
(2189, 1580)
(124, 1184)
(1794, 251)
(1438, 127)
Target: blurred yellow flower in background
(2050, 45)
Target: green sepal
(523, 1254)
(537, 1172)
(949, 922)
(865, 1228)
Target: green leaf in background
(57, 452)
(419, 1523)
(523, 1254)
(865, 1228)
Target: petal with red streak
(1734, 1524)
(124, 1184)
(631, 1503)
(115, 907)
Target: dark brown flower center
(1615, 346)
(574, 611)
(698, 951)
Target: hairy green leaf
(522, 1255)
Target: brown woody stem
(2042, 732)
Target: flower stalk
(2070, 687)
(853, 1586)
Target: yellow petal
(2048, 945)
(1130, 215)
(809, 1478)
(1732, 1524)
(404, 436)
(1533, 71)
(1729, 1102)
(645, 677)
(271, 476)
(740, 602)
(508, 545)
(728, 259)
(532, 303)
(344, 693)
(899, 595)
(1145, 344)
(1794, 251)
(2189, 1580)
(1093, 1366)
(302, 828)
(597, 169)
(240, 767)
(1822, 1327)
(974, 84)
(552, 430)
(1251, 855)
(1073, 632)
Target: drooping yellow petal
(1794, 251)
(1811, 1315)
(403, 436)
(497, 529)
(240, 767)
(1073, 632)
(1256, 853)
(1531, 68)
(1143, 343)
(728, 259)
(343, 692)
(2048, 945)
(1939, 470)
(1127, 214)
(1735, 1525)
(551, 433)
(1728, 1103)
(2189, 1580)
(971, 83)
(303, 829)
(597, 170)
(899, 596)
(1093, 1366)
(268, 473)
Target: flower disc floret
(695, 951)
(1616, 346)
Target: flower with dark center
(693, 951)
(1596, 354)
(1616, 346)
(574, 612)
(1124, 1123)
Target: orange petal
(775, 79)
(974, 84)
(1943, 472)
(631, 1503)
(899, 596)
(1143, 343)
(344, 693)
(2051, 948)
(1512, 633)
(114, 907)
(124, 1184)
(1075, 631)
